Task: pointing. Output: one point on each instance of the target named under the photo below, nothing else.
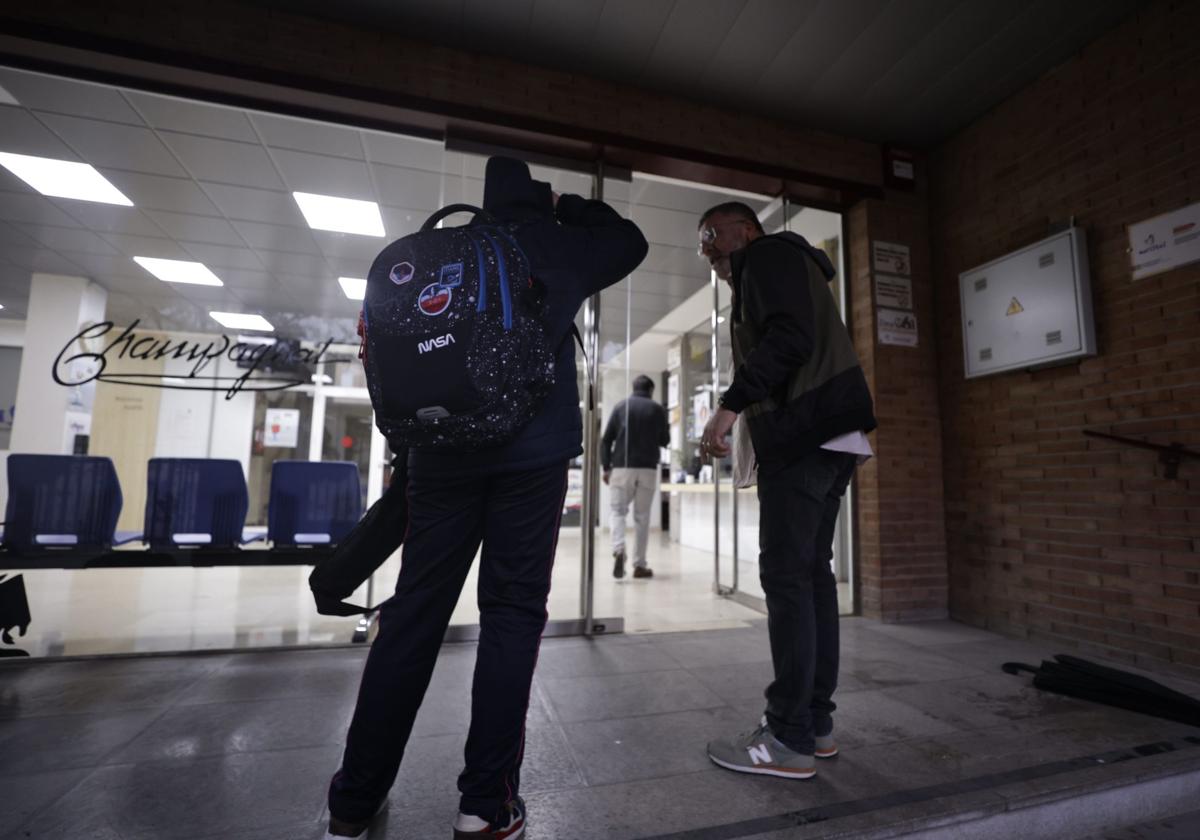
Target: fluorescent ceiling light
(344, 215)
(242, 321)
(179, 271)
(63, 178)
(7, 98)
(354, 287)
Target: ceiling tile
(118, 146)
(108, 218)
(399, 222)
(414, 188)
(284, 265)
(278, 237)
(155, 192)
(224, 161)
(325, 175)
(23, 134)
(69, 239)
(309, 136)
(243, 278)
(184, 226)
(219, 256)
(398, 150)
(244, 203)
(11, 235)
(348, 267)
(67, 96)
(692, 34)
(349, 245)
(146, 246)
(189, 117)
(41, 259)
(33, 209)
(125, 276)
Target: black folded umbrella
(1101, 684)
(371, 542)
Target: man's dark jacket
(635, 431)
(798, 381)
(575, 250)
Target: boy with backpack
(488, 468)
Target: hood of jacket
(819, 256)
(511, 194)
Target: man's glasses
(708, 233)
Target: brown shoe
(619, 564)
(643, 572)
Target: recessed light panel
(179, 271)
(354, 287)
(242, 321)
(343, 215)
(63, 178)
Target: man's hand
(607, 475)
(713, 443)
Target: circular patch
(401, 273)
(434, 299)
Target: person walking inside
(629, 454)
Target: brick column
(902, 572)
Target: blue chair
(61, 501)
(313, 503)
(195, 502)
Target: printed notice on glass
(891, 258)
(897, 327)
(895, 292)
(282, 427)
(1165, 242)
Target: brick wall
(1051, 534)
(901, 529)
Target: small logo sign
(401, 273)
(437, 343)
(1015, 308)
(434, 299)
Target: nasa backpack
(453, 343)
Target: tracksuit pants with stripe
(515, 516)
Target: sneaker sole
(780, 773)
(826, 753)
(519, 831)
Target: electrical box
(1031, 308)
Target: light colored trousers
(637, 486)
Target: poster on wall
(1165, 242)
(282, 427)
(891, 258)
(701, 411)
(673, 390)
(892, 291)
(897, 327)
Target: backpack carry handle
(456, 208)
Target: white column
(59, 307)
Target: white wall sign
(897, 327)
(891, 258)
(1165, 242)
(673, 390)
(282, 427)
(893, 291)
(674, 357)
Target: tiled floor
(241, 746)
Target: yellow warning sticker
(1015, 308)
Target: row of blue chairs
(74, 501)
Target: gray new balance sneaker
(759, 752)
(826, 746)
